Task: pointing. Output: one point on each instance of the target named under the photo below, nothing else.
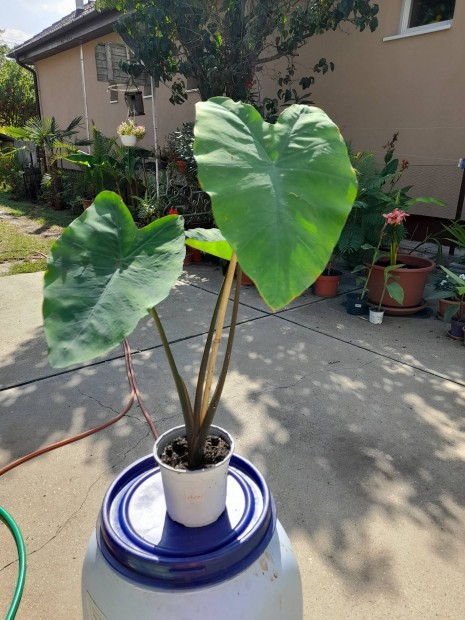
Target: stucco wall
(413, 85)
(62, 96)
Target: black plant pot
(456, 327)
(355, 305)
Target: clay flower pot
(412, 278)
(444, 304)
(326, 285)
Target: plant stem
(217, 338)
(180, 385)
(373, 261)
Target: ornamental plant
(451, 287)
(390, 230)
(280, 197)
(129, 128)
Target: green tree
(17, 96)
(221, 43)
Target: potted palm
(93, 299)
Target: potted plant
(94, 299)
(392, 287)
(456, 312)
(457, 238)
(327, 283)
(444, 289)
(130, 133)
(411, 277)
(390, 281)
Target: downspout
(36, 93)
(155, 135)
(84, 92)
(36, 83)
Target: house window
(426, 15)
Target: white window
(426, 15)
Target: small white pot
(194, 498)
(128, 140)
(376, 316)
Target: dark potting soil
(385, 263)
(175, 453)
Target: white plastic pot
(128, 140)
(376, 316)
(194, 498)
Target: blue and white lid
(138, 538)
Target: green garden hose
(14, 529)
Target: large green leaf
(103, 275)
(280, 193)
(209, 240)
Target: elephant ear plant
(280, 196)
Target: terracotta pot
(444, 304)
(411, 280)
(246, 281)
(196, 255)
(188, 256)
(326, 286)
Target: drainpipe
(36, 84)
(84, 92)
(155, 136)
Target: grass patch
(42, 214)
(17, 246)
(27, 236)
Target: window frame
(404, 28)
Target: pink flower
(396, 216)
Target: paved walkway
(359, 430)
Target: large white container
(140, 564)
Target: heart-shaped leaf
(103, 276)
(280, 193)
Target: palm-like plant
(48, 135)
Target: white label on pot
(93, 611)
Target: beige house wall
(62, 95)
(413, 85)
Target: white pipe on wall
(84, 92)
(155, 135)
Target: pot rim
(408, 259)
(336, 274)
(180, 431)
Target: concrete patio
(359, 430)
